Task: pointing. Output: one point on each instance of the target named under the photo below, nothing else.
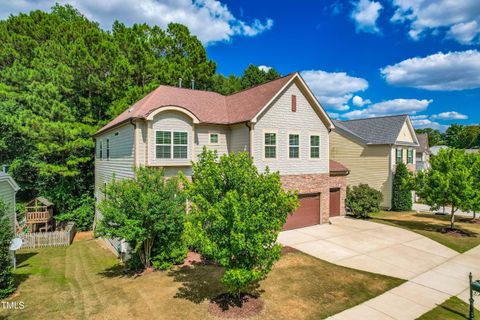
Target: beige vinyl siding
(170, 121)
(202, 138)
(280, 118)
(405, 134)
(141, 137)
(7, 195)
(367, 164)
(120, 165)
(239, 138)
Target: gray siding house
(8, 190)
(280, 124)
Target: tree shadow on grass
(198, 282)
(120, 271)
(23, 257)
(427, 226)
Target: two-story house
(371, 148)
(280, 124)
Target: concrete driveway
(369, 246)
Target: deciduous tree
(236, 215)
(148, 212)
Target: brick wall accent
(318, 183)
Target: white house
(280, 124)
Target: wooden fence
(49, 239)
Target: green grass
(452, 309)
(84, 281)
(431, 225)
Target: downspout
(390, 173)
(250, 132)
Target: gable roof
(423, 143)
(211, 107)
(9, 179)
(378, 130)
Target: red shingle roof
(338, 168)
(207, 106)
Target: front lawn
(431, 225)
(452, 309)
(84, 281)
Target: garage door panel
(307, 214)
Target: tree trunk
(474, 215)
(452, 218)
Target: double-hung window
(410, 155)
(270, 145)
(213, 138)
(314, 147)
(293, 146)
(399, 155)
(180, 145)
(171, 145)
(100, 150)
(108, 149)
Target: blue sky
(362, 58)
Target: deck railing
(49, 239)
(38, 217)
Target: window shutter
(294, 103)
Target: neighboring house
(8, 190)
(422, 157)
(436, 149)
(372, 147)
(280, 124)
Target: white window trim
(276, 144)
(210, 139)
(108, 149)
(413, 155)
(311, 134)
(396, 155)
(299, 144)
(100, 147)
(188, 145)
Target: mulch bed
(455, 232)
(244, 307)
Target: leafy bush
(236, 215)
(401, 193)
(82, 216)
(362, 200)
(7, 285)
(149, 213)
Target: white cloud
(440, 71)
(464, 32)
(450, 115)
(333, 89)
(426, 123)
(264, 68)
(460, 17)
(359, 102)
(334, 115)
(418, 117)
(390, 107)
(210, 20)
(365, 14)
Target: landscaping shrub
(149, 213)
(362, 200)
(7, 285)
(82, 216)
(401, 193)
(236, 215)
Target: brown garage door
(334, 202)
(307, 214)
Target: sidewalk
(426, 208)
(422, 293)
